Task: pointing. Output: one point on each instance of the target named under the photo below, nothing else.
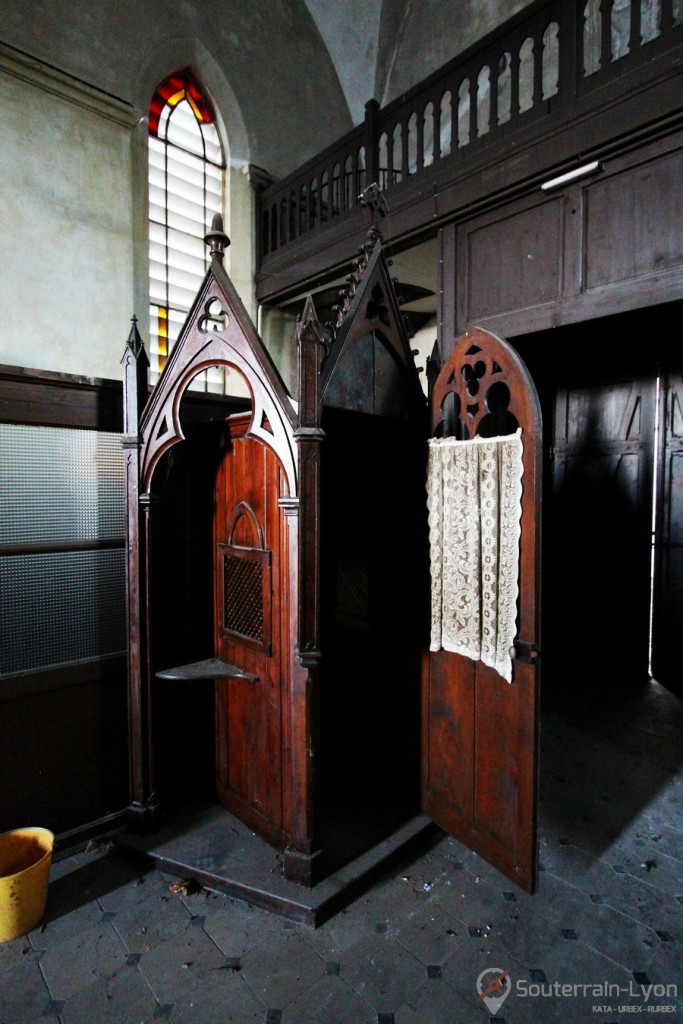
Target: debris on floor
(185, 887)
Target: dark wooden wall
(374, 625)
(598, 386)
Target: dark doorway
(599, 466)
(607, 469)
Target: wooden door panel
(668, 588)
(480, 733)
(483, 800)
(448, 735)
(249, 714)
(616, 416)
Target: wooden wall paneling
(590, 249)
(601, 459)
(628, 235)
(44, 398)
(572, 254)
(64, 785)
(510, 263)
(64, 762)
(449, 290)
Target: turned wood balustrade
(538, 73)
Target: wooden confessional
(318, 548)
(319, 599)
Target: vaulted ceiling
(380, 48)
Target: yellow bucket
(25, 859)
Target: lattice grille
(243, 597)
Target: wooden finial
(309, 312)
(372, 198)
(135, 345)
(216, 238)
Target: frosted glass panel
(61, 607)
(58, 484)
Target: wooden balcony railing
(541, 65)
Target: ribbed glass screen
(59, 484)
(61, 607)
(60, 487)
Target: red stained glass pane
(177, 87)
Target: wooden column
(142, 807)
(371, 142)
(303, 854)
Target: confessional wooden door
(251, 590)
(480, 733)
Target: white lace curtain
(474, 495)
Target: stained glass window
(185, 190)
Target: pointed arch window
(186, 171)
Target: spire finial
(309, 312)
(216, 238)
(134, 343)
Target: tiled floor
(607, 921)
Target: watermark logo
(494, 986)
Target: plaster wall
(417, 37)
(271, 54)
(66, 224)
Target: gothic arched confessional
(319, 588)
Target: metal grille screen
(243, 597)
(60, 488)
